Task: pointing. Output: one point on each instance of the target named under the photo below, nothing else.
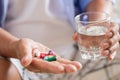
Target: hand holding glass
(91, 28)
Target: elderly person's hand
(26, 50)
(110, 46)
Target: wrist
(12, 48)
(100, 6)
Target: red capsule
(42, 55)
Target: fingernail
(37, 53)
(26, 61)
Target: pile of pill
(50, 56)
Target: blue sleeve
(3, 11)
(83, 4)
(80, 5)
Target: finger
(114, 48)
(109, 34)
(77, 64)
(65, 61)
(114, 27)
(26, 57)
(75, 36)
(105, 45)
(112, 56)
(34, 68)
(36, 52)
(114, 39)
(51, 67)
(111, 50)
(105, 52)
(69, 68)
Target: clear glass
(91, 28)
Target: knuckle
(114, 48)
(111, 41)
(114, 39)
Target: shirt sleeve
(83, 4)
(80, 6)
(3, 11)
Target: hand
(112, 44)
(26, 49)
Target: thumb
(75, 36)
(27, 57)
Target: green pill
(50, 58)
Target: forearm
(100, 6)
(6, 44)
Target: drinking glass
(91, 28)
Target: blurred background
(116, 16)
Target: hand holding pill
(47, 61)
(37, 57)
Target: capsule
(51, 53)
(37, 54)
(42, 55)
(50, 58)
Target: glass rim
(77, 20)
